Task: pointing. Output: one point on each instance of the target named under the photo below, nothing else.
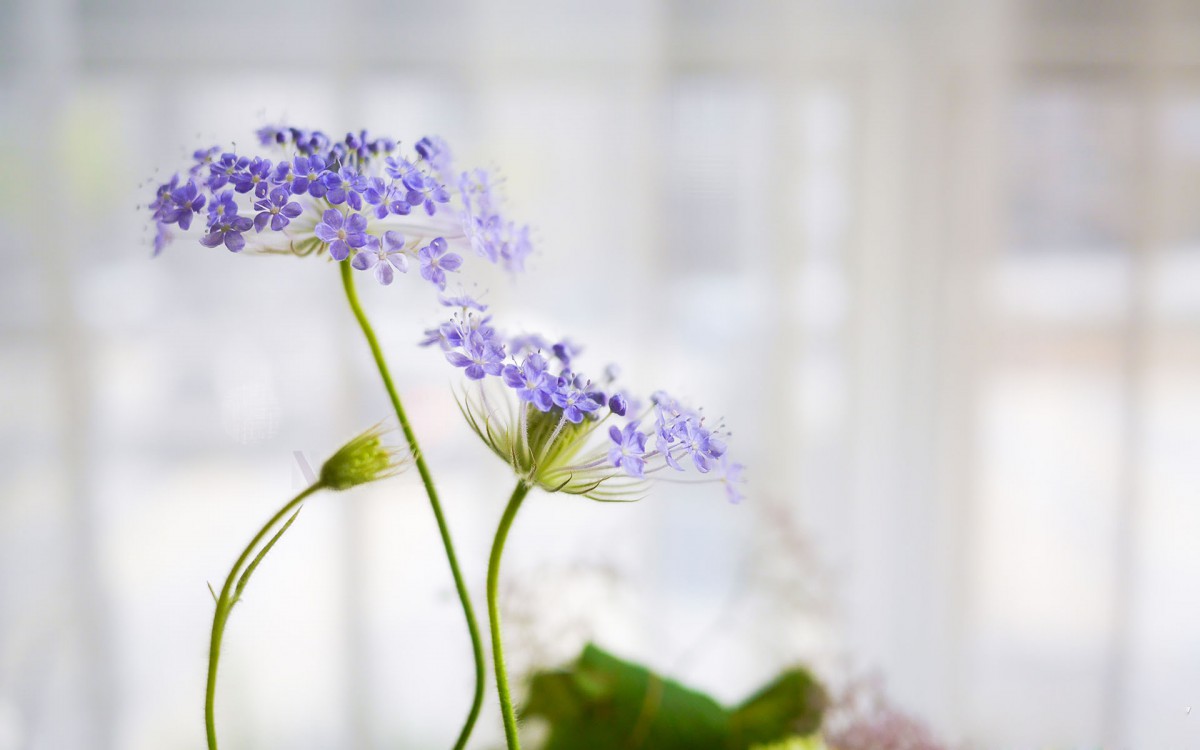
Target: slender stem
(493, 576)
(427, 480)
(225, 603)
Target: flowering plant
(528, 403)
(545, 418)
(361, 196)
(369, 205)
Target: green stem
(427, 480)
(493, 577)
(225, 604)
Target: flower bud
(364, 459)
(617, 404)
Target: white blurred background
(938, 264)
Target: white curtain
(937, 263)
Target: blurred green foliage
(603, 703)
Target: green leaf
(602, 702)
(792, 704)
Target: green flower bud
(364, 459)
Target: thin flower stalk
(363, 459)
(410, 437)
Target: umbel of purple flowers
(361, 198)
(566, 433)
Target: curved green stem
(493, 577)
(229, 597)
(427, 480)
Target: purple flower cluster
(887, 730)
(665, 434)
(493, 236)
(863, 718)
(359, 196)
(384, 209)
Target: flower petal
(384, 274)
(364, 260)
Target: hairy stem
(493, 577)
(228, 598)
(427, 480)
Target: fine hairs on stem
(427, 480)
(493, 577)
